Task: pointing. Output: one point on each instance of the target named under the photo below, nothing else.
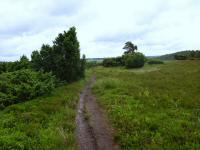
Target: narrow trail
(93, 131)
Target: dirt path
(93, 132)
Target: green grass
(156, 107)
(43, 123)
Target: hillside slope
(172, 56)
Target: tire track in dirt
(93, 131)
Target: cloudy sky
(103, 26)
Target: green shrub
(180, 57)
(91, 64)
(155, 61)
(112, 62)
(109, 62)
(23, 63)
(2, 67)
(119, 61)
(134, 60)
(23, 85)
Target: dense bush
(112, 62)
(155, 61)
(180, 57)
(24, 85)
(91, 64)
(134, 60)
(109, 62)
(2, 67)
(23, 63)
(119, 61)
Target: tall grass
(152, 108)
(43, 123)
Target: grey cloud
(156, 26)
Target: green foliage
(109, 62)
(180, 57)
(152, 108)
(23, 85)
(23, 63)
(134, 60)
(155, 61)
(36, 60)
(130, 59)
(67, 54)
(112, 62)
(120, 61)
(83, 66)
(47, 57)
(62, 59)
(43, 123)
(2, 67)
(91, 64)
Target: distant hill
(187, 53)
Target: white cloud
(103, 26)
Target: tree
(23, 63)
(47, 58)
(67, 54)
(83, 65)
(130, 47)
(36, 60)
(62, 59)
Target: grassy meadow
(43, 123)
(155, 107)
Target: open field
(156, 107)
(43, 123)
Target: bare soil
(93, 131)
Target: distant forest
(182, 55)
